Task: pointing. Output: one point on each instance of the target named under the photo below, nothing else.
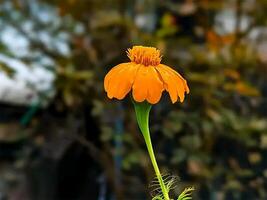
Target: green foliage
(157, 198)
(186, 194)
(6, 69)
(171, 182)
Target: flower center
(144, 55)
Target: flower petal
(179, 75)
(119, 80)
(174, 83)
(147, 85)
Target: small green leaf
(186, 194)
(157, 198)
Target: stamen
(144, 55)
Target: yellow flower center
(144, 55)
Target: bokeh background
(61, 138)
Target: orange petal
(109, 75)
(147, 85)
(119, 80)
(179, 75)
(174, 83)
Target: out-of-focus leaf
(242, 88)
(179, 155)
(10, 132)
(191, 142)
(107, 134)
(9, 71)
(214, 115)
(254, 157)
(232, 73)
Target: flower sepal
(142, 110)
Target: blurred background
(61, 138)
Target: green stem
(142, 114)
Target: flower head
(146, 77)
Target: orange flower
(146, 77)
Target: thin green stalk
(142, 114)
